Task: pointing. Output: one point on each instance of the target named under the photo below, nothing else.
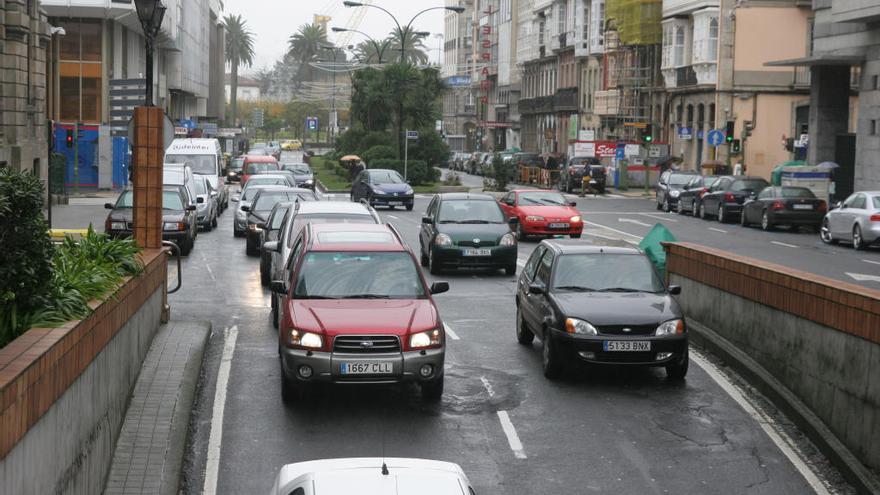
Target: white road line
(613, 230)
(450, 332)
(783, 244)
(487, 386)
(872, 262)
(665, 218)
(718, 230)
(212, 469)
(392, 216)
(512, 438)
(777, 436)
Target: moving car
(234, 169)
(291, 145)
(571, 176)
(669, 187)
(544, 213)
(462, 230)
(257, 165)
(855, 220)
(207, 203)
(599, 304)
(357, 309)
(271, 231)
(304, 213)
(725, 198)
(785, 205)
(692, 194)
(382, 187)
(205, 157)
(239, 223)
(303, 174)
(179, 223)
(259, 209)
(376, 476)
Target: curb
(837, 453)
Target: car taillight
(729, 197)
(777, 205)
(875, 217)
(823, 206)
(702, 193)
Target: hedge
(417, 171)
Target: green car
(461, 230)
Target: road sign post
(715, 138)
(409, 135)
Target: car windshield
(301, 221)
(170, 200)
(200, 187)
(680, 179)
(709, 180)
(200, 164)
(268, 181)
(297, 168)
(363, 275)
(541, 198)
(876, 201)
(385, 177)
(470, 211)
(250, 191)
(236, 163)
(605, 272)
(258, 167)
(268, 199)
(797, 193)
(748, 185)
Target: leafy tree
(305, 45)
(239, 52)
(378, 152)
(371, 101)
(429, 147)
(413, 47)
(366, 52)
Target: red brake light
(777, 205)
(875, 217)
(729, 197)
(823, 206)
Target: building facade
(460, 101)
(247, 90)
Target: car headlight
(671, 327)
(580, 327)
(117, 225)
(442, 240)
(534, 218)
(674, 194)
(425, 339)
(306, 339)
(309, 181)
(174, 226)
(508, 240)
(575, 219)
(408, 191)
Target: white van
(205, 156)
(180, 175)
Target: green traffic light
(648, 139)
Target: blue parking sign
(620, 152)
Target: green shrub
(417, 171)
(380, 152)
(430, 148)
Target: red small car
(542, 213)
(357, 309)
(256, 164)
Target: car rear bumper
(453, 257)
(797, 217)
(591, 349)
(733, 208)
(327, 366)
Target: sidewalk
(149, 452)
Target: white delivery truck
(205, 157)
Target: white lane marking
(212, 469)
(618, 196)
(861, 277)
(872, 262)
(450, 332)
(487, 386)
(602, 236)
(392, 216)
(783, 244)
(612, 230)
(660, 217)
(718, 230)
(630, 220)
(512, 438)
(777, 436)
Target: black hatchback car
(670, 186)
(179, 221)
(382, 187)
(599, 304)
(572, 175)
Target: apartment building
(457, 71)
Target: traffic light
(648, 134)
(69, 138)
(728, 133)
(736, 147)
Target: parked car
(303, 174)
(601, 305)
(541, 213)
(207, 203)
(304, 213)
(726, 196)
(239, 223)
(669, 187)
(271, 232)
(485, 166)
(259, 209)
(234, 169)
(692, 194)
(462, 230)
(528, 160)
(785, 205)
(256, 164)
(376, 475)
(179, 224)
(382, 187)
(205, 157)
(571, 176)
(358, 309)
(855, 220)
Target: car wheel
(520, 233)
(678, 208)
(523, 335)
(575, 236)
(510, 270)
(423, 258)
(703, 214)
(825, 233)
(264, 274)
(410, 207)
(214, 222)
(274, 311)
(695, 210)
(236, 233)
(722, 214)
(666, 206)
(550, 358)
(249, 248)
(857, 241)
(186, 247)
(433, 390)
(742, 219)
(432, 264)
(766, 226)
(659, 205)
(602, 190)
(677, 371)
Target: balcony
(691, 75)
(685, 76)
(566, 100)
(541, 104)
(684, 7)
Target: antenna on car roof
(384, 469)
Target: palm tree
(368, 53)
(239, 51)
(305, 44)
(413, 47)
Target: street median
(809, 343)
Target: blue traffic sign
(715, 137)
(312, 123)
(685, 133)
(620, 152)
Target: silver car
(207, 203)
(855, 220)
(239, 224)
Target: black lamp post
(150, 13)
(380, 49)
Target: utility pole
(76, 157)
(405, 153)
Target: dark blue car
(382, 187)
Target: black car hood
(125, 214)
(618, 308)
(469, 231)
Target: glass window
(542, 274)
(679, 179)
(278, 218)
(541, 198)
(859, 202)
(302, 220)
(797, 192)
(470, 211)
(767, 193)
(200, 164)
(385, 177)
(876, 201)
(170, 200)
(200, 187)
(606, 272)
(69, 88)
(748, 185)
(713, 40)
(297, 168)
(260, 167)
(267, 200)
(365, 275)
(532, 264)
(678, 47)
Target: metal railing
(175, 249)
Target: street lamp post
(334, 119)
(150, 13)
(380, 49)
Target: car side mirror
(245, 208)
(427, 220)
(191, 208)
(537, 289)
(674, 290)
(572, 203)
(439, 287)
(272, 246)
(108, 206)
(835, 205)
(842, 206)
(200, 200)
(278, 287)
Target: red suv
(357, 309)
(257, 164)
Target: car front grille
(625, 357)
(366, 344)
(633, 329)
(483, 243)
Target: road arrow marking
(629, 220)
(861, 277)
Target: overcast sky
(273, 21)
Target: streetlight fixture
(380, 48)
(150, 13)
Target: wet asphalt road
(616, 430)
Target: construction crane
(353, 22)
